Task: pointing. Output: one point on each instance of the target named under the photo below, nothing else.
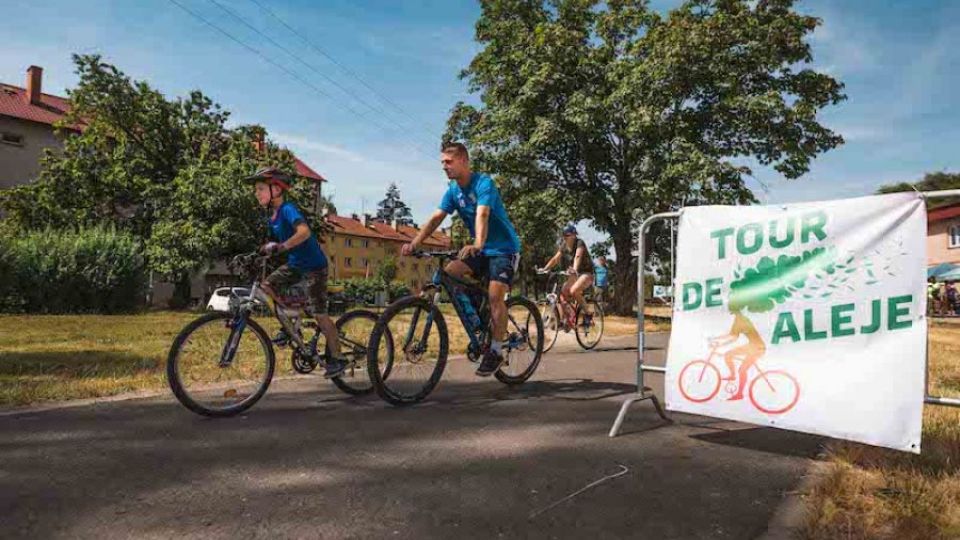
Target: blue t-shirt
(600, 274)
(307, 255)
(502, 238)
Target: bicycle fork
(237, 325)
(422, 344)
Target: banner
(807, 317)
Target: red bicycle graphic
(771, 392)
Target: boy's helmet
(272, 176)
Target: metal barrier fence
(644, 392)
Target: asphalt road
(477, 460)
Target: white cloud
(301, 143)
(862, 133)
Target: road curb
(787, 520)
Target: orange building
(358, 246)
(943, 235)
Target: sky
(365, 99)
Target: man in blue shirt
(305, 259)
(600, 273)
(495, 251)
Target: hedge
(96, 270)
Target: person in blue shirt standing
(305, 259)
(601, 279)
(495, 251)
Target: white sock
(496, 346)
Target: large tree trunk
(624, 276)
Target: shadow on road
(472, 462)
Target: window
(953, 236)
(416, 267)
(366, 243)
(348, 242)
(11, 138)
(333, 259)
(348, 262)
(366, 262)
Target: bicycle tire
(552, 319)
(538, 322)
(173, 361)
(579, 330)
(351, 386)
(380, 382)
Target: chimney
(366, 220)
(34, 84)
(396, 225)
(354, 217)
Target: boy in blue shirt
(495, 251)
(305, 259)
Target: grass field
(872, 493)
(60, 357)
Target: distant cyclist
(496, 247)
(573, 255)
(305, 259)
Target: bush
(365, 290)
(97, 270)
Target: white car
(220, 299)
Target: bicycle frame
(556, 297)
(290, 324)
(444, 282)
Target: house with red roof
(358, 245)
(27, 116)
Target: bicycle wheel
(354, 329)
(589, 328)
(205, 384)
(699, 381)
(774, 392)
(419, 335)
(551, 325)
(524, 342)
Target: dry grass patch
(874, 493)
(60, 357)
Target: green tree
(931, 182)
(538, 218)
(393, 208)
(387, 271)
(166, 171)
(628, 112)
(601, 249)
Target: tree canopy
(626, 112)
(166, 170)
(393, 208)
(935, 181)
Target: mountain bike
(560, 313)
(772, 392)
(417, 325)
(222, 363)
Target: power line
(402, 129)
(267, 59)
(349, 71)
